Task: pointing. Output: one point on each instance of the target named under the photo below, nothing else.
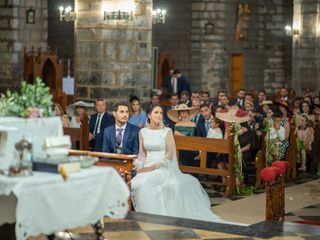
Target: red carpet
(309, 222)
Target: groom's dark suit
(130, 140)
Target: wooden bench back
(204, 146)
(291, 154)
(80, 134)
(315, 149)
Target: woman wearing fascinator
(159, 186)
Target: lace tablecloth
(45, 203)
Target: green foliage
(301, 145)
(272, 151)
(318, 172)
(32, 96)
(246, 190)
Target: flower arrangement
(237, 166)
(33, 102)
(272, 147)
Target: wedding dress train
(166, 190)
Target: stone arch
(165, 63)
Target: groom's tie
(119, 136)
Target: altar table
(44, 203)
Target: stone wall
(306, 49)
(113, 57)
(266, 51)
(16, 34)
(61, 34)
(174, 35)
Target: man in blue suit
(98, 122)
(182, 82)
(204, 121)
(122, 137)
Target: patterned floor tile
(172, 234)
(127, 235)
(307, 212)
(121, 226)
(215, 235)
(151, 226)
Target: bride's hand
(146, 169)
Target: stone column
(306, 61)
(208, 58)
(113, 57)
(15, 34)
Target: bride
(159, 186)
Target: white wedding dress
(166, 190)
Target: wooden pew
(80, 134)
(291, 155)
(205, 145)
(260, 163)
(315, 150)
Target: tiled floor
(139, 226)
(310, 213)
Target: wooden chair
(205, 145)
(80, 134)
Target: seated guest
(195, 95)
(98, 122)
(245, 138)
(277, 132)
(296, 105)
(217, 102)
(204, 122)
(59, 113)
(122, 137)
(223, 102)
(284, 95)
(215, 130)
(196, 104)
(154, 99)
(305, 135)
(306, 109)
(137, 116)
(174, 100)
(185, 98)
(182, 116)
(76, 110)
(239, 101)
(205, 97)
(248, 106)
(262, 96)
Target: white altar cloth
(45, 203)
(35, 130)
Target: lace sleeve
(169, 145)
(138, 163)
(169, 150)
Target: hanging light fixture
(159, 16)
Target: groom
(122, 137)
